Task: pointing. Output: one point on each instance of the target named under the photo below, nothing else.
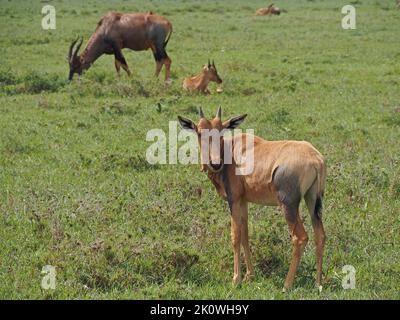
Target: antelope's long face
(75, 65)
(212, 73)
(211, 137)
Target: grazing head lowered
(75, 65)
(116, 31)
(200, 82)
(283, 172)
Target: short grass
(77, 193)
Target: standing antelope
(200, 81)
(115, 31)
(283, 173)
(269, 10)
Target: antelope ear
(187, 124)
(234, 122)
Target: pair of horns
(218, 115)
(211, 64)
(71, 47)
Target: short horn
(78, 47)
(201, 114)
(219, 111)
(209, 64)
(213, 63)
(71, 47)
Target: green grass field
(76, 191)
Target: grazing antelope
(116, 31)
(283, 173)
(200, 81)
(269, 10)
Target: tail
(169, 36)
(321, 178)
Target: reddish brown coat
(116, 31)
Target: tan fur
(257, 187)
(269, 10)
(298, 159)
(200, 82)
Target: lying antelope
(116, 31)
(283, 173)
(269, 10)
(200, 82)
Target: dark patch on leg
(117, 51)
(118, 55)
(117, 66)
(227, 186)
(160, 54)
(318, 208)
(291, 210)
(288, 189)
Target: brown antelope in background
(283, 173)
(116, 31)
(269, 10)
(200, 82)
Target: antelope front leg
(245, 243)
(120, 61)
(117, 67)
(206, 91)
(236, 221)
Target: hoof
(286, 288)
(235, 281)
(248, 277)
